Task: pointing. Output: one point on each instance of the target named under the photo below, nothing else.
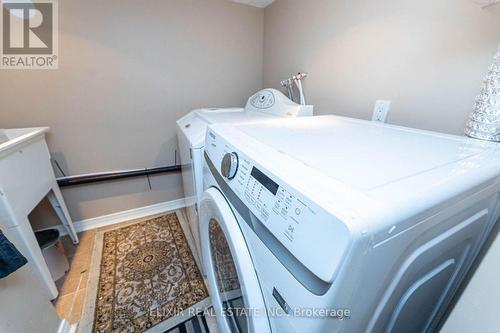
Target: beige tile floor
(72, 287)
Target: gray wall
(428, 56)
(127, 70)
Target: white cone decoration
(484, 121)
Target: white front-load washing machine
(330, 224)
(265, 105)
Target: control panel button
(263, 100)
(229, 165)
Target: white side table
(26, 177)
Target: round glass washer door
(233, 284)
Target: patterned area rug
(147, 275)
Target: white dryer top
(364, 154)
(194, 124)
(367, 170)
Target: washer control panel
(264, 99)
(269, 200)
(273, 102)
(308, 231)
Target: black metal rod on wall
(115, 175)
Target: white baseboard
(114, 218)
(66, 327)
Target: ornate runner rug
(147, 276)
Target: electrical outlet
(381, 110)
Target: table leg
(57, 201)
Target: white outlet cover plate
(381, 110)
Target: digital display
(265, 180)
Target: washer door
(233, 284)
